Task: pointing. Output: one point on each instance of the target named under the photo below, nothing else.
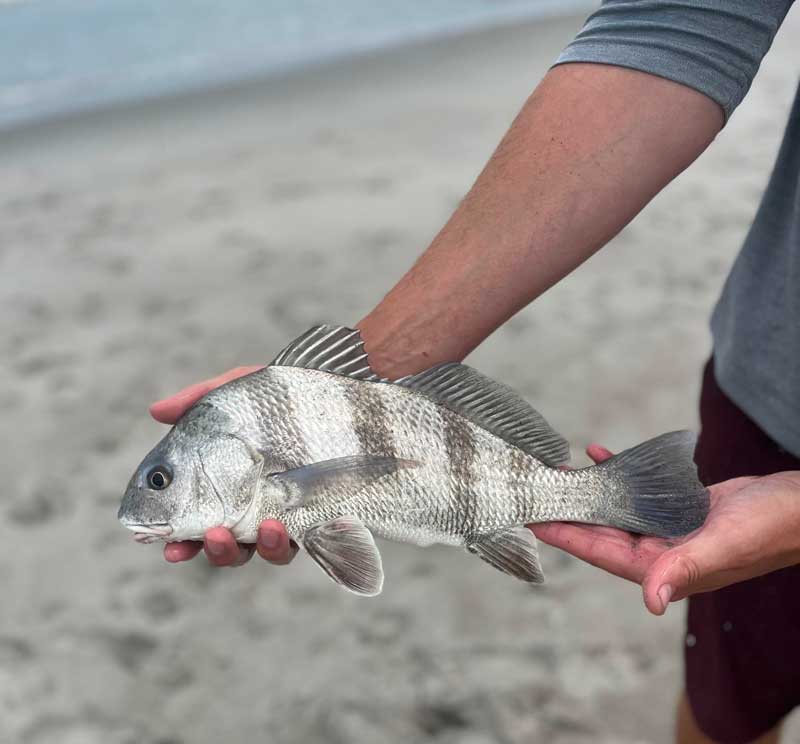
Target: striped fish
(319, 441)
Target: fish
(339, 455)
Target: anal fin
(513, 551)
(345, 549)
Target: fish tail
(657, 489)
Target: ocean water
(61, 56)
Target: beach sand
(147, 247)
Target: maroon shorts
(742, 651)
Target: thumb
(674, 575)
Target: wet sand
(145, 248)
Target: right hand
(752, 529)
(221, 548)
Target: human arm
(591, 146)
(598, 138)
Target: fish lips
(148, 533)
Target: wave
(62, 56)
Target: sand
(147, 247)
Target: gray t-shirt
(716, 46)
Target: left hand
(753, 528)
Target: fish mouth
(148, 533)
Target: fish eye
(159, 477)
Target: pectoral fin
(345, 550)
(512, 551)
(302, 485)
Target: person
(631, 102)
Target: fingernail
(270, 539)
(216, 548)
(664, 595)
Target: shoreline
(215, 77)
(281, 85)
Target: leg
(687, 731)
(742, 660)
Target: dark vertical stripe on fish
(370, 419)
(519, 464)
(459, 444)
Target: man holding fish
(633, 100)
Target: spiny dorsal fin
(492, 406)
(328, 348)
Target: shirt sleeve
(714, 46)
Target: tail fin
(658, 492)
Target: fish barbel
(320, 442)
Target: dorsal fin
(492, 406)
(329, 348)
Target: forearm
(589, 149)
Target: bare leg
(687, 731)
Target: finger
(169, 410)
(274, 544)
(672, 577)
(598, 453)
(221, 547)
(615, 551)
(182, 551)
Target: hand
(753, 528)
(220, 546)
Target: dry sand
(145, 248)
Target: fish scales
(429, 498)
(321, 443)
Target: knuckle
(685, 570)
(691, 569)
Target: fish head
(197, 477)
(166, 494)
